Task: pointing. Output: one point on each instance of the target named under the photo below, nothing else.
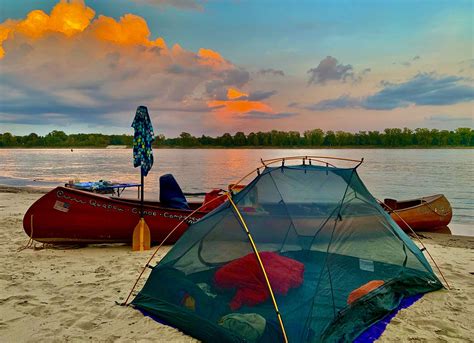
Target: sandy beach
(58, 295)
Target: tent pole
(254, 247)
(420, 241)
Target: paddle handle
(142, 192)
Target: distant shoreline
(360, 147)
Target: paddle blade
(141, 236)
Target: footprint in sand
(85, 325)
(95, 301)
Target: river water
(394, 173)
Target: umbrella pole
(142, 192)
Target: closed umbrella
(143, 158)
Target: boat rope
(262, 267)
(30, 242)
(420, 241)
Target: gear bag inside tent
(304, 253)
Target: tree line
(392, 137)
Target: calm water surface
(397, 173)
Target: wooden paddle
(141, 236)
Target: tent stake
(254, 247)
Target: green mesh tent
(303, 253)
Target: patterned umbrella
(142, 139)
(143, 157)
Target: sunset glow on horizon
(85, 66)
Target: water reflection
(394, 173)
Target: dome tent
(302, 253)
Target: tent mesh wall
(321, 236)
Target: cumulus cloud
(423, 89)
(330, 70)
(84, 67)
(344, 101)
(261, 95)
(271, 72)
(217, 87)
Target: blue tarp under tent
(304, 253)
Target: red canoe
(67, 215)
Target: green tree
(294, 138)
(329, 139)
(252, 139)
(159, 140)
(465, 135)
(56, 138)
(240, 139)
(226, 139)
(344, 138)
(443, 138)
(406, 137)
(374, 138)
(423, 137)
(392, 137)
(314, 137)
(32, 140)
(8, 139)
(188, 140)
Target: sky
(209, 67)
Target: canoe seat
(171, 195)
(392, 204)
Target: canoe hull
(66, 215)
(432, 213)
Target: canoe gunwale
(128, 201)
(424, 201)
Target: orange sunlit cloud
(73, 17)
(68, 18)
(212, 58)
(53, 52)
(130, 30)
(239, 106)
(235, 106)
(233, 94)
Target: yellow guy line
(254, 247)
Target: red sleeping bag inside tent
(245, 275)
